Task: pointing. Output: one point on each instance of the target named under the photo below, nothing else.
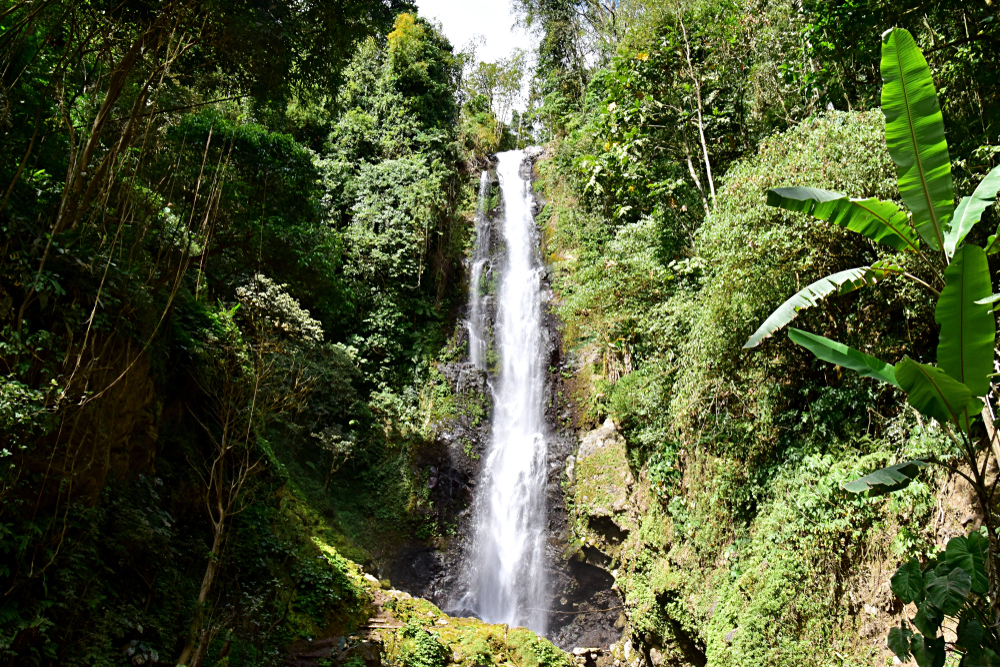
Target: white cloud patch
(464, 20)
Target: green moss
(474, 650)
(602, 480)
(527, 649)
(786, 586)
(429, 635)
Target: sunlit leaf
(933, 392)
(839, 283)
(842, 355)
(970, 210)
(968, 329)
(877, 220)
(886, 480)
(914, 132)
(993, 298)
(969, 553)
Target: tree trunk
(197, 638)
(697, 92)
(204, 642)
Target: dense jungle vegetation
(669, 257)
(233, 237)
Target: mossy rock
(603, 484)
(466, 641)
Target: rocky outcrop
(599, 483)
(604, 483)
(450, 465)
(611, 513)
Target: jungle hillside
(241, 245)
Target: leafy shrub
(755, 256)
(422, 648)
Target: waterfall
(477, 317)
(506, 565)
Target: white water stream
(477, 317)
(505, 568)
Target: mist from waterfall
(506, 565)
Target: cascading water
(506, 566)
(477, 317)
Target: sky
(462, 20)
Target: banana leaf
(968, 329)
(970, 210)
(914, 132)
(840, 283)
(877, 220)
(993, 244)
(886, 480)
(842, 355)
(934, 393)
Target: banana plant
(932, 228)
(955, 391)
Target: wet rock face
(609, 506)
(465, 378)
(598, 479)
(592, 627)
(414, 566)
(429, 568)
(585, 607)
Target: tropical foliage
(953, 391)
(232, 269)
(669, 260)
(232, 237)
